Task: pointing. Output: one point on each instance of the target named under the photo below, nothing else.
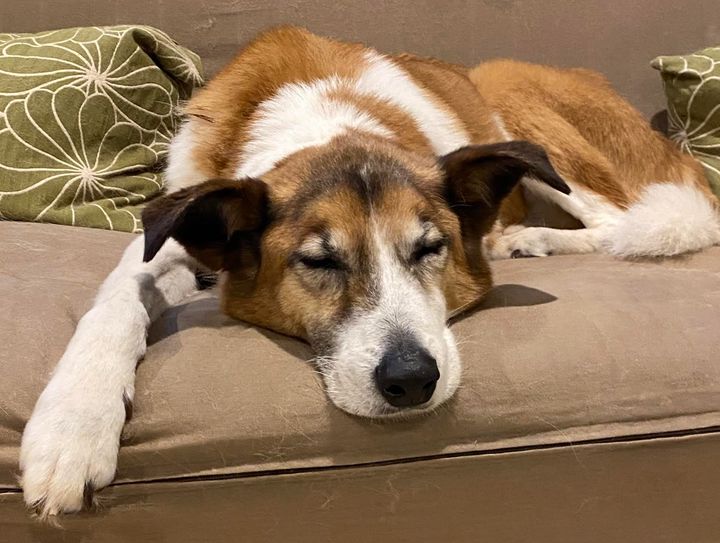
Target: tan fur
(593, 137)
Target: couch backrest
(616, 37)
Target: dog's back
(647, 197)
(576, 111)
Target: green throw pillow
(86, 115)
(692, 86)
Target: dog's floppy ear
(479, 177)
(482, 175)
(215, 221)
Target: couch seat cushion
(565, 350)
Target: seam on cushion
(620, 430)
(684, 425)
(636, 438)
(507, 447)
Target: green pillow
(86, 115)
(692, 86)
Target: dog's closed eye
(322, 262)
(430, 245)
(320, 271)
(425, 249)
(319, 253)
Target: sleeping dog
(353, 199)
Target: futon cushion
(565, 350)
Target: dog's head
(360, 248)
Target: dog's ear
(219, 222)
(479, 177)
(483, 175)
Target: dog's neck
(290, 90)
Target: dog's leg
(597, 199)
(595, 213)
(541, 241)
(70, 445)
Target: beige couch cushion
(565, 350)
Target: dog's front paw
(69, 448)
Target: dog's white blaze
(402, 305)
(388, 81)
(301, 115)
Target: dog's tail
(669, 219)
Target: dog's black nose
(406, 375)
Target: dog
(353, 199)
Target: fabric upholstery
(565, 350)
(653, 490)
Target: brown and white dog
(352, 199)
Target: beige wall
(617, 37)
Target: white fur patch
(669, 219)
(301, 115)
(182, 170)
(304, 115)
(387, 81)
(73, 435)
(402, 305)
(589, 207)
